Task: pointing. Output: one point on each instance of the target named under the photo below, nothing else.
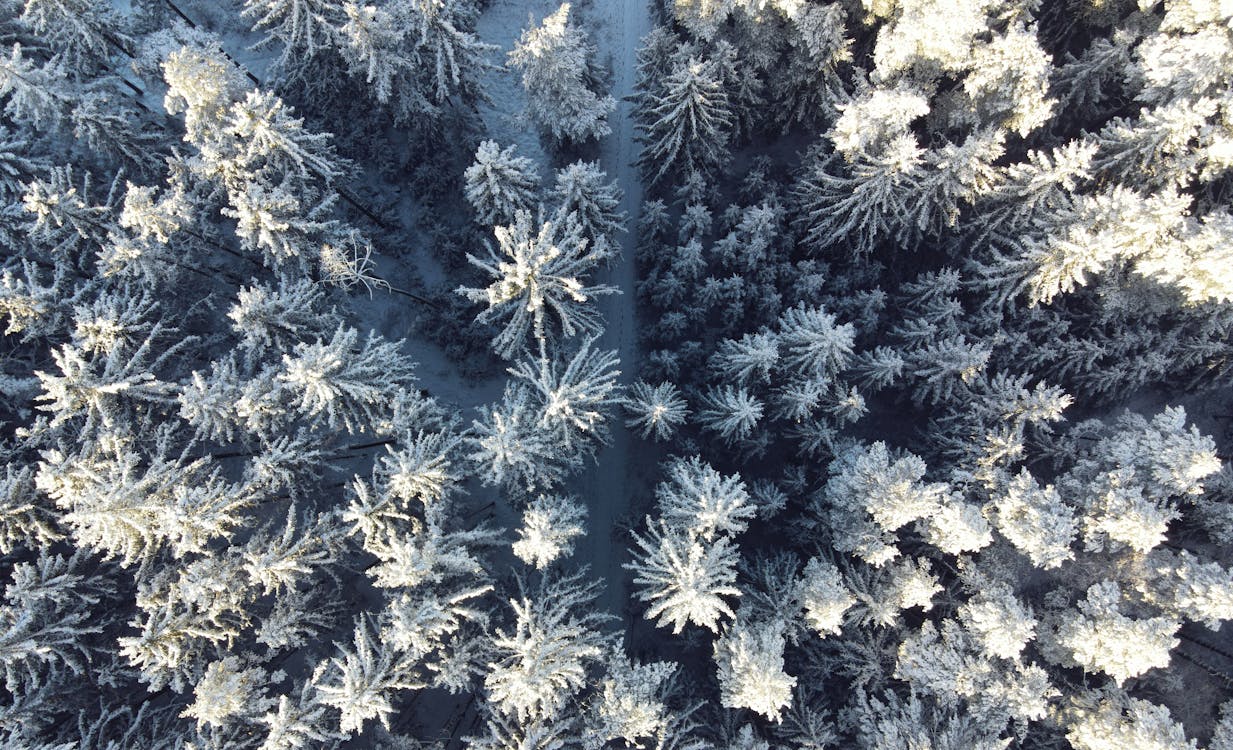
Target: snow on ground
(609, 487)
(501, 24)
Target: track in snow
(608, 487)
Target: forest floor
(610, 484)
(505, 121)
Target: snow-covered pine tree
(1100, 638)
(67, 216)
(573, 394)
(823, 597)
(104, 387)
(870, 495)
(342, 383)
(813, 343)
(511, 449)
(1108, 719)
(537, 273)
(819, 40)
(686, 123)
(1186, 587)
(202, 84)
(374, 46)
(273, 143)
(854, 204)
(303, 28)
(682, 579)
(732, 413)
(360, 682)
(83, 35)
(749, 657)
(1035, 520)
(25, 518)
(701, 17)
(229, 692)
(562, 84)
(999, 622)
(580, 193)
(747, 359)
(542, 661)
(130, 506)
(631, 702)
(549, 525)
(458, 57)
(499, 184)
(943, 661)
(655, 410)
(103, 121)
(294, 724)
(699, 500)
(48, 618)
(33, 93)
(279, 316)
(1009, 81)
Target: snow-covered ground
(504, 120)
(618, 26)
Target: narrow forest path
(608, 486)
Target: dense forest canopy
(540, 375)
